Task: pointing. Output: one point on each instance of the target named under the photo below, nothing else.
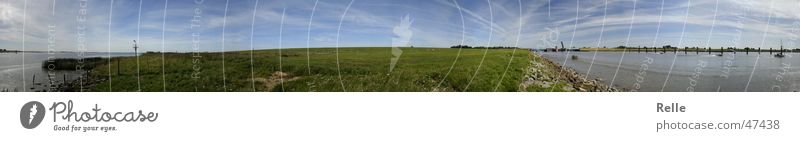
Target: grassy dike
(361, 69)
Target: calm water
(691, 72)
(12, 67)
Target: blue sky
(436, 23)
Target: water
(12, 67)
(691, 72)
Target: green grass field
(361, 69)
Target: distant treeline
(6, 50)
(482, 47)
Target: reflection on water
(691, 72)
(12, 68)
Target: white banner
(402, 116)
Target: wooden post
(50, 80)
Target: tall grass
(362, 69)
(72, 64)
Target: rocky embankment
(544, 75)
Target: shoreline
(544, 75)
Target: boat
(780, 54)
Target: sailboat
(780, 54)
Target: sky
(221, 25)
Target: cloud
(370, 22)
